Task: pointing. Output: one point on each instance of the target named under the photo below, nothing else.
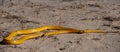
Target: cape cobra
(33, 33)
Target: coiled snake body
(33, 33)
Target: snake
(33, 33)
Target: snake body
(32, 33)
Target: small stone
(61, 48)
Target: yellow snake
(33, 33)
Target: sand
(78, 14)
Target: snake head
(3, 34)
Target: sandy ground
(79, 14)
